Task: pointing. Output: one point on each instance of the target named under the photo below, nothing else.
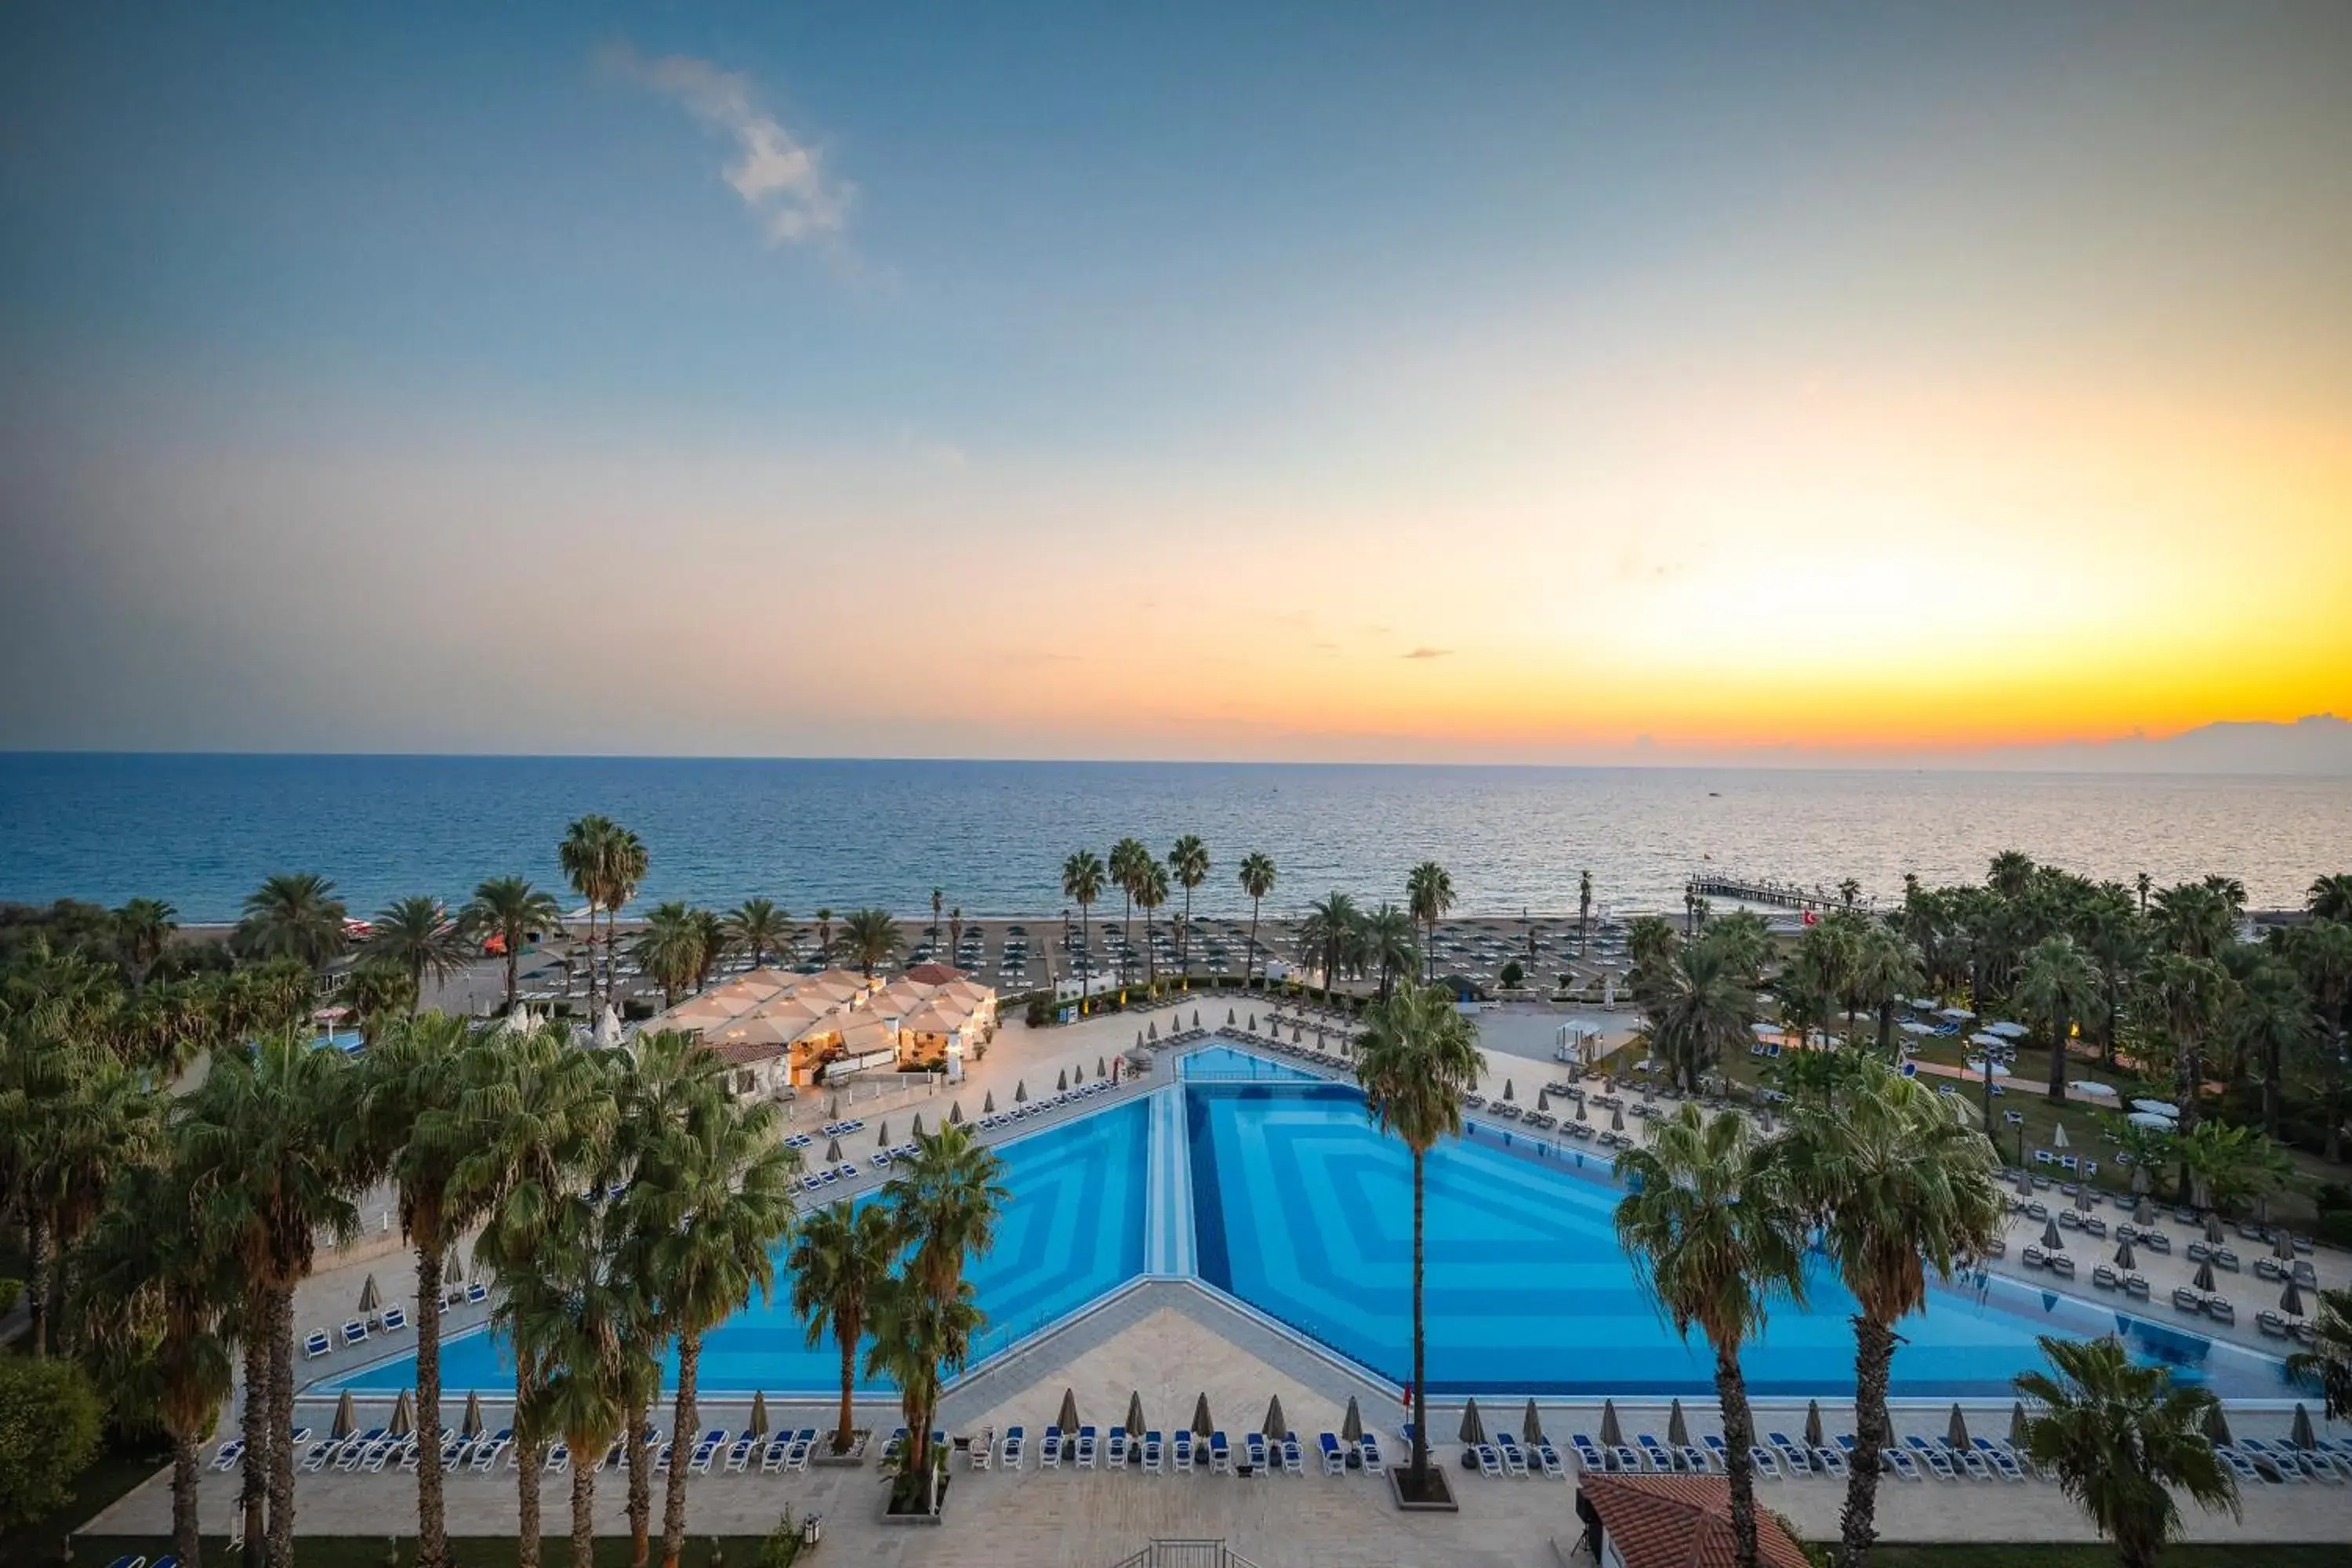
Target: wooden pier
(1773, 895)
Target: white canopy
(2149, 1120)
(1956, 1015)
(1978, 1067)
(2096, 1090)
(2007, 1030)
(2156, 1108)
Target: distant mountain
(2319, 746)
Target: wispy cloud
(1430, 653)
(781, 178)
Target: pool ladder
(1185, 1554)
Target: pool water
(1071, 1231)
(1304, 1211)
(1223, 1063)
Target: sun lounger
(699, 1463)
(128, 1563)
(381, 1453)
(2238, 1463)
(1719, 1450)
(1049, 1449)
(1967, 1460)
(1490, 1461)
(1254, 1453)
(2105, 1277)
(2001, 1458)
(669, 1453)
(1115, 1448)
(2287, 1462)
(1791, 1454)
(1694, 1458)
(981, 1452)
(355, 1448)
(1179, 1450)
(320, 1455)
(229, 1454)
(1083, 1451)
(1015, 1437)
(486, 1452)
(355, 1333)
(1335, 1459)
(772, 1456)
(796, 1454)
(1548, 1457)
(395, 1320)
(1515, 1458)
(1221, 1455)
(739, 1454)
(1938, 1464)
(1830, 1462)
(1155, 1453)
(2184, 1300)
(1655, 1452)
(1368, 1454)
(1293, 1463)
(1627, 1458)
(1890, 1457)
(316, 1343)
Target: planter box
(935, 1518)
(821, 1455)
(1441, 1501)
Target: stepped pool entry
(1267, 1185)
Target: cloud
(1430, 653)
(780, 177)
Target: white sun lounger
(1548, 1457)
(1155, 1454)
(1014, 1436)
(1335, 1459)
(1180, 1450)
(1049, 1450)
(1938, 1464)
(1293, 1462)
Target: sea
(200, 831)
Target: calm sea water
(201, 831)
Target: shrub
(2334, 1227)
(783, 1547)
(1512, 975)
(11, 1292)
(1038, 1014)
(48, 1433)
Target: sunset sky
(1361, 382)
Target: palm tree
(273, 1162)
(627, 864)
(955, 929)
(2272, 1025)
(511, 908)
(671, 950)
(1082, 884)
(939, 903)
(2122, 1438)
(380, 997)
(759, 927)
(143, 928)
(583, 1320)
(1707, 1214)
(1429, 895)
(2186, 995)
(1128, 856)
(1699, 1007)
(2193, 920)
(417, 936)
(1899, 1182)
(421, 1112)
(76, 1120)
(1188, 861)
(712, 937)
(2321, 954)
(1390, 944)
(841, 1257)
(585, 857)
(1887, 969)
(871, 936)
(1330, 923)
(715, 1193)
(2056, 987)
(943, 1202)
(1257, 881)
(1583, 907)
(1418, 1058)
(1151, 891)
(921, 1338)
(2331, 897)
(2143, 882)
(825, 935)
(292, 915)
(2328, 1361)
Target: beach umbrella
(1020, 1092)
(1580, 1115)
(345, 1423)
(2017, 1425)
(1275, 1424)
(1253, 1024)
(1474, 1430)
(1813, 1424)
(1678, 1427)
(955, 1113)
(369, 1297)
(471, 1426)
(2282, 1244)
(1611, 1434)
(2300, 1433)
(1229, 1018)
(1151, 1034)
(833, 1153)
(1202, 1424)
(1506, 1088)
(760, 1413)
(1139, 1039)
(2213, 1231)
(1531, 1426)
(832, 1109)
(1196, 1017)
(2144, 1212)
(2291, 1300)
(2024, 1185)
(988, 1105)
(1543, 1100)
(882, 1135)
(608, 1027)
(1297, 1033)
(1985, 1037)
(2124, 1253)
(2216, 1426)
(919, 1124)
(403, 1417)
(1135, 1410)
(2058, 1136)
(2050, 1237)
(1352, 1426)
(1617, 1119)
(2204, 1281)
(1062, 1084)
(1069, 1416)
(1956, 1434)
(453, 1271)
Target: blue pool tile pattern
(1304, 1211)
(1071, 1231)
(1223, 1063)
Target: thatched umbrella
(2124, 1258)
(2291, 1300)
(370, 1299)
(955, 1112)
(1813, 1424)
(1297, 1033)
(1020, 1092)
(403, 1417)
(2017, 1425)
(1617, 1119)
(2217, 1425)
(1134, 1411)
(2213, 1231)
(988, 1104)
(2050, 1237)
(1062, 1084)
(1202, 1424)
(1678, 1427)
(1956, 1434)
(1275, 1424)
(2204, 1281)
(1101, 1069)
(1474, 1430)
(1531, 1425)
(832, 1152)
(2301, 1433)
(1767, 1116)
(760, 1413)
(346, 1422)
(1506, 1088)
(471, 1425)
(1611, 1434)
(1069, 1416)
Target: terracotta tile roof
(934, 974)
(1680, 1521)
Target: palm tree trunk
(641, 1485)
(849, 1384)
(1086, 976)
(187, 1542)
(279, 1432)
(1250, 957)
(253, 1485)
(1420, 1395)
(690, 1356)
(1886, 1027)
(2270, 1089)
(37, 1284)
(1874, 1355)
(432, 1522)
(584, 1509)
(533, 1455)
(2058, 1028)
(1739, 1434)
(513, 959)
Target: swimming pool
(1224, 1063)
(1304, 1212)
(1072, 1230)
